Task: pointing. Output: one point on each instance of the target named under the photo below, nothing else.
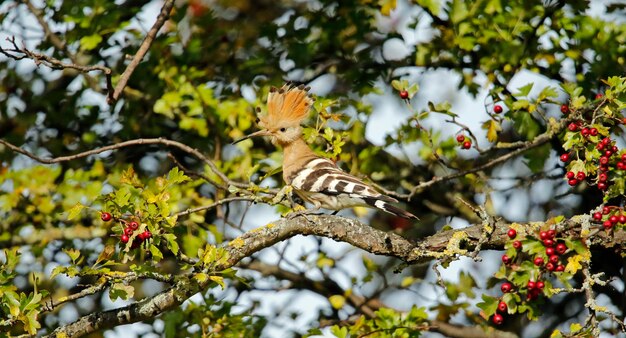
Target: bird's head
(286, 108)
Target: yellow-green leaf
(75, 211)
(337, 301)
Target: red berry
(623, 157)
(561, 248)
(502, 307)
(551, 233)
(604, 160)
(105, 216)
(624, 120)
(554, 259)
(404, 94)
(506, 259)
(497, 109)
(598, 96)
(597, 216)
(531, 285)
(606, 210)
(560, 268)
(622, 219)
(602, 177)
(517, 245)
(550, 267)
(497, 319)
(608, 153)
(460, 138)
(565, 157)
(572, 127)
(620, 166)
(466, 145)
(506, 287)
(606, 141)
(136, 243)
(543, 235)
(511, 233)
(607, 224)
(600, 146)
(147, 234)
(584, 132)
(570, 175)
(124, 239)
(572, 182)
(540, 284)
(614, 149)
(602, 186)
(128, 231)
(564, 109)
(614, 219)
(533, 294)
(548, 242)
(133, 225)
(593, 132)
(539, 261)
(550, 251)
(581, 176)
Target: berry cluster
(465, 142)
(607, 160)
(597, 155)
(128, 231)
(610, 216)
(553, 248)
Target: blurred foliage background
(212, 63)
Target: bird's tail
(386, 207)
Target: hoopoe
(315, 179)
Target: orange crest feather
(287, 106)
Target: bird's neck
(296, 155)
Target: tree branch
(445, 244)
(143, 49)
(163, 141)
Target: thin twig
(143, 49)
(135, 142)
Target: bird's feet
(301, 211)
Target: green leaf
(73, 253)
(121, 290)
(524, 90)
(339, 332)
(90, 42)
(176, 176)
(75, 211)
(156, 253)
(536, 157)
(172, 244)
(489, 305)
(219, 280)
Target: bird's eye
(283, 130)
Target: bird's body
(316, 179)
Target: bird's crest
(286, 106)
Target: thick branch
(338, 228)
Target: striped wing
(321, 175)
(321, 182)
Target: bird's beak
(263, 132)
